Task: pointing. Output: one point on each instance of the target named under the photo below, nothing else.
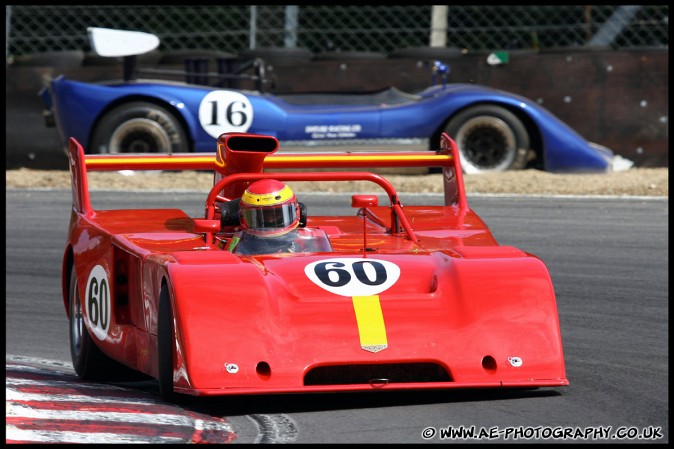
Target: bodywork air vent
(376, 374)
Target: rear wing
(108, 42)
(447, 158)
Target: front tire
(165, 346)
(139, 127)
(88, 360)
(86, 357)
(490, 139)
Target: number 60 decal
(97, 302)
(352, 276)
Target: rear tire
(139, 127)
(165, 346)
(490, 139)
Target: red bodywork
(433, 303)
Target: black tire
(86, 357)
(88, 360)
(139, 127)
(490, 139)
(165, 346)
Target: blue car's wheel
(139, 127)
(490, 139)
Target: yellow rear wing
(447, 158)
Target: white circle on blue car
(225, 111)
(97, 302)
(351, 276)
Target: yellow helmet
(269, 208)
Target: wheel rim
(140, 135)
(486, 144)
(76, 320)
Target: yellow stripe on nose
(371, 327)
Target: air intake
(241, 153)
(390, 373)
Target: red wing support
(78, 174)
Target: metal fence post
(252, 27)
(439, 26)
(290, 27)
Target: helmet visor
(270, 217)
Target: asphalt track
(608, 258)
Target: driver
(270, 214)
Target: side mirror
(364, 200)
(202, 225)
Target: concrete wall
(616, 98)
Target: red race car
(257, 296)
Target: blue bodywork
(300, 120)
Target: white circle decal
(351, 276)
(224, 111)
(97, 302)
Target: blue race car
(495, 130)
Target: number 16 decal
(223, 111)
(362, 280)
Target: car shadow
(251, 404)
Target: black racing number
(214, 113)
(98, 303)
(333, 274)
(379, 272)
(323, 273)
(234, 113)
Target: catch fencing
(368, 28)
